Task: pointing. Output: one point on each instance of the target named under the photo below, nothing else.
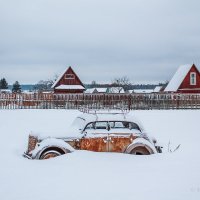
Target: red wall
(67, 91)
(186, 82)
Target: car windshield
(105, 125)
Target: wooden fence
(100, 101)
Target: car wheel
(141, 146)
(140, 150)
(50, 154)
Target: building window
(69, 76)
(193, 78)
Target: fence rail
(100, 101)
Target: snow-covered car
(99, 132)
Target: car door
(95, 137)
(121, 135)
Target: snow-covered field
(100, 176)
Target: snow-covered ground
(97, 176)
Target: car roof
(104, 117)
(111, 116)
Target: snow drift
(95, 176)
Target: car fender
(141, 142)
(52, 143)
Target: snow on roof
(90, 90)
(130, 91)
(103, 90)
(46, 92)
(143, 91)
(70, 87)
(28, 92)
(178, 77)
(5, 90)
(157, 89)
(57, 80)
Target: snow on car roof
(79, 123)
(109, 116)
(103, 117)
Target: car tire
(51, 153)
(140, 150)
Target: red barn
(68, 82)
(185, 80)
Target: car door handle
(108, 139)
(105, 140)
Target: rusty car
(98, 132)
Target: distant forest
(130, 87)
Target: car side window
(112, 124)
(119, 125)
(124, 124)
(90, 126)
(101, 125)
(97, 125)
(133, 125)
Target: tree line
(16, 87)
(125, 83)
(118, 82)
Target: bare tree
(121, 83)
(55, 77)
(45, 85)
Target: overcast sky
(145, 40)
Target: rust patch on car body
(32, 141)
(107, 144)
(98, 144)
(120, 143)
